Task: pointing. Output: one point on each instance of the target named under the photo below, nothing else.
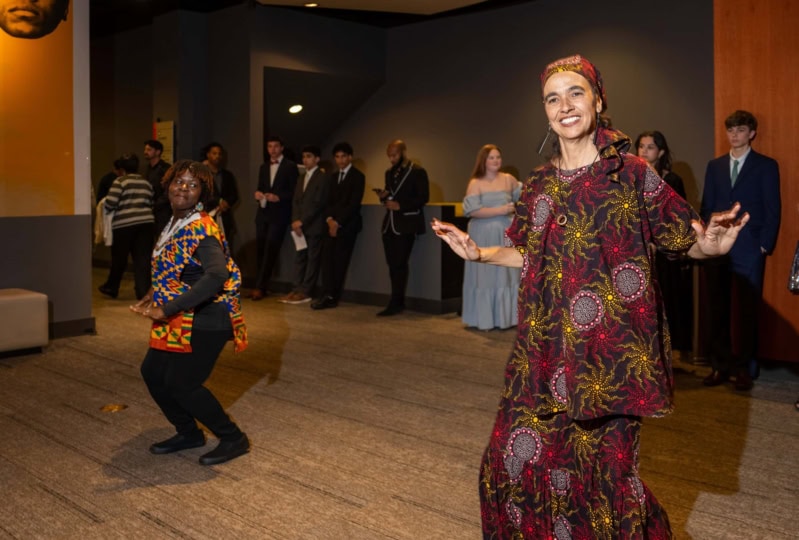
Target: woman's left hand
(717, 237)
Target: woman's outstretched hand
(145, 308)
(459, 241)
(719, 234)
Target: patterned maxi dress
(489, 292)
(591, 356)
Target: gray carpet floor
(362, 428)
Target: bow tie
(274, 162)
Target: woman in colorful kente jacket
(591, 357)
(195, 309)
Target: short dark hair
(275, 138)
(128, 163)
(741, 118)
(156, 145)
(198, 170)
(342, 147)
(207, 148)
(312, 149)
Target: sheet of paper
(299, 241)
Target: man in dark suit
(308, 223)
(226, 190)
(753, 180)
(276, 181)
(406, 192)
(343, 219)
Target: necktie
(340, 176)
(734, 174)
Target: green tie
(734, 174)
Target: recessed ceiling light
(294, 109)
(311, 4)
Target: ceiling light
(294, 109)
(311, 4)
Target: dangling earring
(199, 207)
(541, 147)
(596, 128)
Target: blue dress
(490, 292)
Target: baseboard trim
(76, 327)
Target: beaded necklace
(174, 226)
(576, 173)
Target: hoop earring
(596, 129)
(544, 142)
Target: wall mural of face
(32, 19)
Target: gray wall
(51, 255)
(455, 84)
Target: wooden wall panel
(756, 59)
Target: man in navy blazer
(276, 181)
(753, 180)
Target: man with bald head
(404, 196)
(29, 19)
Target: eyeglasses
(183, 183)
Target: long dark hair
(664, 161)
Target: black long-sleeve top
(205, 281)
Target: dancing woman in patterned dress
(195, 309)
(592, 355)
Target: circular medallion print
(629, 280)
(586, 310)
(561, 529)
(652, 183)
(558, 386)
(559, 481)
(514, 466)
(542, 209)
(525, 444)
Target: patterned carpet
(362, 428)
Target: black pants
(307, 264)
(734, 314)
(136, 241)
(397, 248)
(175, 381)
(269, 237)
(336, 255)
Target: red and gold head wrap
(580, 65)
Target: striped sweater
(131, 200)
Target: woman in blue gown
(490, 292)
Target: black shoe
(391, 310)
(226, 450)
(716, 378)
(325, 302)
(107, 291)
(178, 442)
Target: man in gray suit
(308, 222)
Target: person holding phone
(405, 193)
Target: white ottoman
(23, 319)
